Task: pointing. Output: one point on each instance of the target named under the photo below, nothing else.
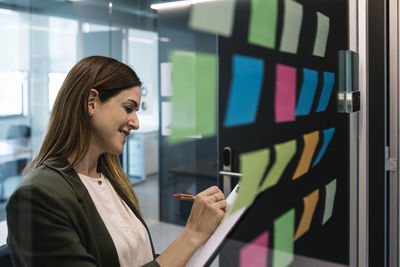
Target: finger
(211, 190)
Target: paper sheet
(166, 83)
(215, 240)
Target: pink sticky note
(255, 253)
(285, 93)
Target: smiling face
(113, 119)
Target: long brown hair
(69, 129)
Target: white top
(129, 235)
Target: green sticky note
(329, 200)
(284, 152)
(322, 35)
(252, 166)
(194, 79)
(213, 17)
(206, 94)
(293, 17)
(263, 22)
(283, 239)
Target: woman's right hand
(207, 213)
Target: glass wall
(40, 41)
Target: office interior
(40, 41)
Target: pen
(184, 196)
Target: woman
(76, 206)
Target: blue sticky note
(307, 93)
(244, 96)
(328, 134)
(329, 81)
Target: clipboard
(213, 243)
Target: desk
(15, 149)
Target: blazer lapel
(105, 248)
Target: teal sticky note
(329, 81)
(307, 92)
(263, 23)
(284, 239)
(292, 21)
(321, 37)
(245, 92)
(328, 135)
(213, 17)
(329, 200)
(252, 166)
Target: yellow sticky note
(310, 143)
(252, 166)
(284, 152)
(310, 203)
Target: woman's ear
(92, 101)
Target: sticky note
(284, 152)
(322, 35)
(329, 81)
(283, 239)
(329, 200)
(310, 203)
(245, 91)
(213, 17)
(252, 166)
(310, 143)
(194, 78)
(255, 253)
(328, 134)
(307, 92)
(263, 23)
(285, 93)
(292, 20)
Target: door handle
(235, 174)
(226, 172)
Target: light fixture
(175, 4)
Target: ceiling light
(175, 4)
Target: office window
(12, 85)
(55, 82)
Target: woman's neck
(88, 165)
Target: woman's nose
(133, 122)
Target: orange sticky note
(310, 203)
(310, 143)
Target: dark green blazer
(52, 221)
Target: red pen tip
(177, 196)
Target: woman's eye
(128, 109)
